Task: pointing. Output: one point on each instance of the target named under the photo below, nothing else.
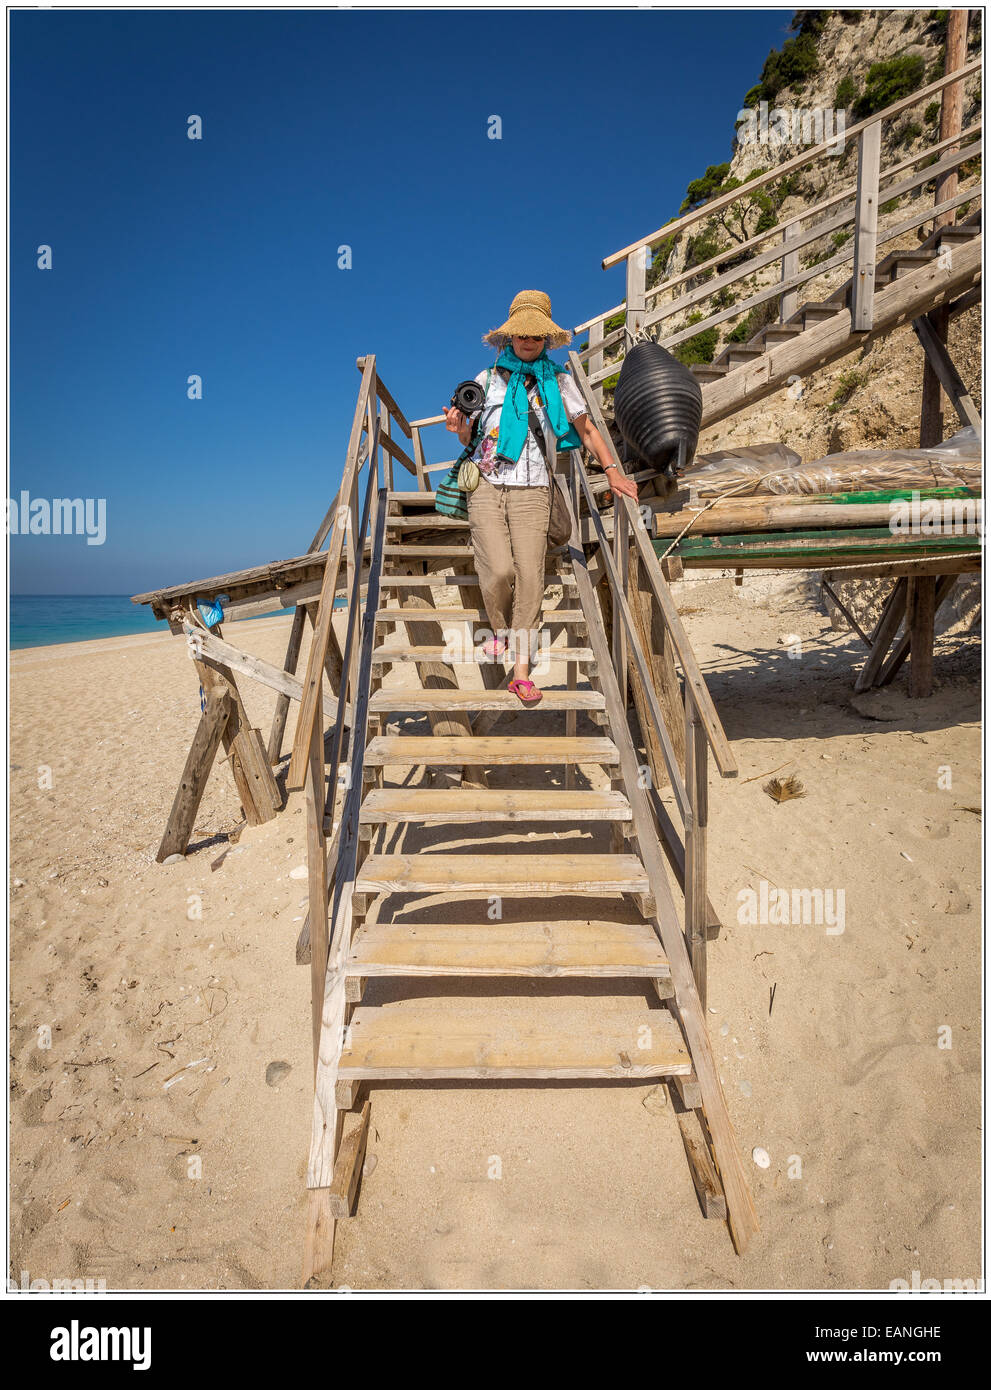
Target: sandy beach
(161, 1061)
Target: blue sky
(218, 257)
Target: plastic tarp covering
(774, 468)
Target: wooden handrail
(321, 634)
(799, 161)
(329, 969)
(821, 229)
(623, 622)
(774, 290)
(662, 594)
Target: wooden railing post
(596, 360)
(386, 456)
(865, 228)
(789, 267)
(696, 829)
(636, 293)
(421, 479)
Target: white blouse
(529, 470)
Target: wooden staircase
(401, 821)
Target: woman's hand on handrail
(597, 446)
(619, 482)
(457, 424)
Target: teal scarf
(514, 419)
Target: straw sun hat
(529, 316)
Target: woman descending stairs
(451, 962)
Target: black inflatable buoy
(658, 408)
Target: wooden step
(420, 523)
(545, 949)
(466, 581)
(463, 655)
(467, 615)
(437, 701)
(560, 1038)
(781, 333)
(502, 874)
(493, 751)
(708, 371)
(406, 499)
(471, 806)
(905, 262)
(818, 313)
(428, 552)
(739, 354)
(957, 236)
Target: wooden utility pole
(950, 124)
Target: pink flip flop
(525, 691)
(495, 646)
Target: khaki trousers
(509, 538)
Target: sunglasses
(530, 337)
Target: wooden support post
(789, 267)
(901, 648)
(951, 110)
(263, 790)
(636, 293)
(689, 1091)
(216, 677)
(884, 634)
(708, 1188)
(950, 124)
(347, 1166)
(199, 760)
(931, 330)
(696, 831)
(931, 410)
(278, 729)
(318, 1251)
(921, 611)
(865, 228)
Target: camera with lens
(468, 397)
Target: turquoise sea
(41, 620)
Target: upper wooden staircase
(884, 291)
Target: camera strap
(533, 421)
